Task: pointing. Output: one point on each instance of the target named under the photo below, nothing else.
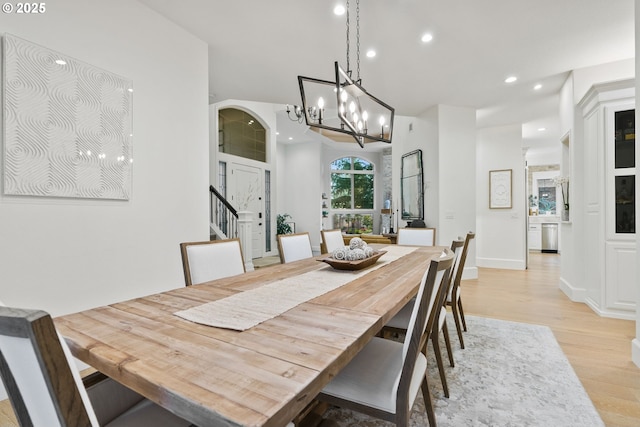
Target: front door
(247, 189)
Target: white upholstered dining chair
(211, 260)
(294, 247)
(383, 379)
(400, 321)
(331, 240)
(45, 389)
(417, 236)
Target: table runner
(250, 308)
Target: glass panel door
(624, 172)
(625, 153)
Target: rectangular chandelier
(343, 106)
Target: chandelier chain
(348, 31)
(358, 38)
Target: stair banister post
(245, 221)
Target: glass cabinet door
(624, 171)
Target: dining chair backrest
(417, 236)
(428, 293)
(457, 248)
(294, 247)
(331, 240)
(211, 260)
(460, 267)
(43, 388)
(421, 323)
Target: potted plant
(283, 226)
(533, 204)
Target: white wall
(457, 198)
(503, 230)
(571, 269)
(302, 188)
(584, 78)
(65, 255)
(546, 156)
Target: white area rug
(509, 374)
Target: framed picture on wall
(500, 189)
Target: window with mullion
(352, 184)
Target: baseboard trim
(507, 264)
(470, 273)
(635, 351)
(574, 294)
(622, 315)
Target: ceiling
(257, 49)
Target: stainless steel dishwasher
(549, 238)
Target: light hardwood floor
(598, 348)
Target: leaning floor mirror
(411, 186)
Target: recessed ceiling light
(510, 79)
(427, 37)
(541, 129)
(537, 87)
(61, 62)
(290, 138)
(277, 133)
(339, 10)
(371, 53)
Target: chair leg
(436, 350)
(464, 322)
(456, 317)
(428, 402)
(402, 420)
(447, 341)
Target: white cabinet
(535, 237)
(609, 217)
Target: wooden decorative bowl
(353, 265)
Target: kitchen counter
(540, 219)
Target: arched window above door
(241, 134)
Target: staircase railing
(222, 215)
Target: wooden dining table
(262, 376)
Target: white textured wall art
(68, 126)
